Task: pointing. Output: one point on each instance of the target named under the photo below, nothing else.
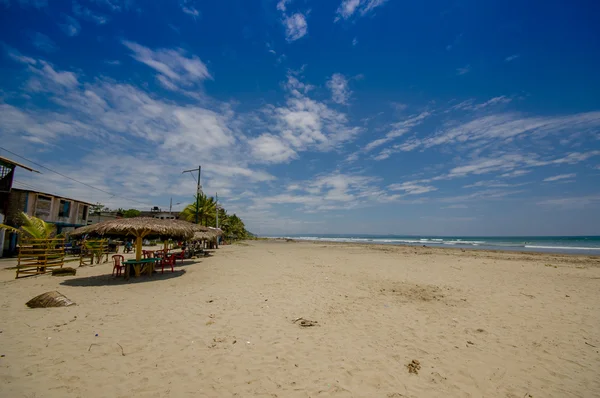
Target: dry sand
(479, 324)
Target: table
(139, 266)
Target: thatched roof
(142, 226)
(211, 233)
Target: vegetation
(33, 227)
(231, 225)
(131, 213)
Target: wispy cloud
(70, 26)
(112, 62)
(29, 3)
(348, 8)
(188, 7)
(397, 130)
(511, 58)
(43, 42)
(412, 188)
(560, 177)
(340, 90)
(464, 70)
(572, 202)
(485, 130)
(457, 39)
(88, 15)
(515, 173)
(176, 69)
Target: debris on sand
(49, 299)
(414, 366)
(305, 322)
(64, 271)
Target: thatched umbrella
(140, 227)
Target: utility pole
(217, 207)
(217, 211)
(198, 189)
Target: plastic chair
(148, 253)
(180, 256)
(168, 260)
(118, 264)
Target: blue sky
(341, 116)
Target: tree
(97, 208)
(131, 213)
(34, 227)
(205, 211)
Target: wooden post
(138, 247)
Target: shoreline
(457, 248)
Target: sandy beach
(479, 324)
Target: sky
(457, 117)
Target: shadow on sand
(109, 280)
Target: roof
(6, 160)
(51, 194)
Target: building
(157, 212)
(66, 213)
(7, 173)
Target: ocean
(554, 244)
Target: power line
(70, 178)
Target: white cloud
(113, 62)
(511, 58)
(46, 79)
(189, 9)
(295, 26)
(464, 70)
(176, 70)
(348, 8)
(300, 124)
(17, 56)
(70, 26)
(271, 149)
(43, 42)
(560, 177)
(282, 5)
(88, 15)
(354, 41)
(412, 188)
(340, 91)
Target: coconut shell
(49, 299)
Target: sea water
(554, 244)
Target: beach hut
(141, 227)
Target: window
(64, 210)
(82, 213)
(42, 207)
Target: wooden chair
(118, 264)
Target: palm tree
(34, 227)
(205, 210)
